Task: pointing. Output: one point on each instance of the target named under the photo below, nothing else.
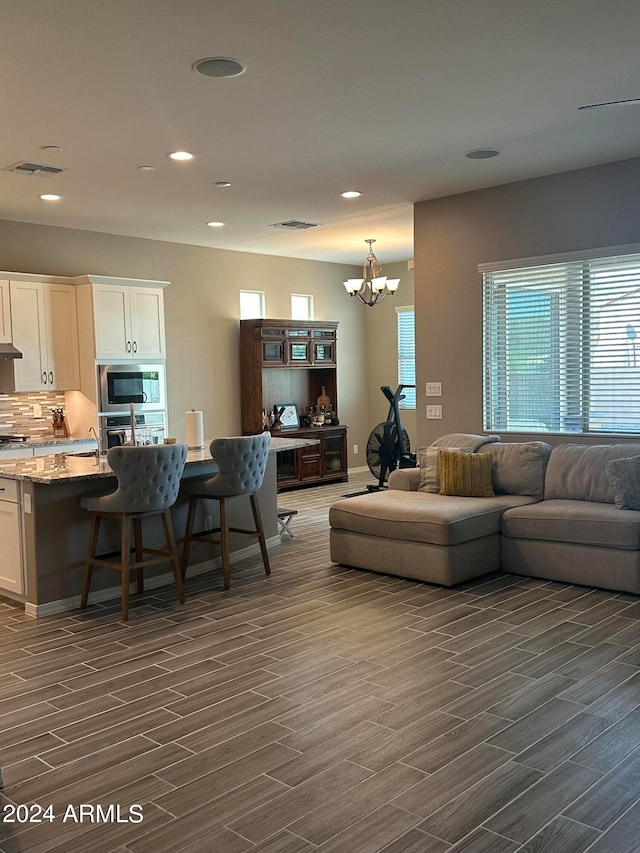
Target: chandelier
(373, 287)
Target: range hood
(9, 351)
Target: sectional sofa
(558, 513)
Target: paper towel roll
(194, 427)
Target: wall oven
(144, 385)
(115, 430)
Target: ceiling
(381, 96)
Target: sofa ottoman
(429, 537)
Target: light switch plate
(26, 503)
(434, 389)
(434, 413)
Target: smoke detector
(294, 225)
(26, 167)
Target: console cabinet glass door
(334, 455)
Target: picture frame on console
(289, 419)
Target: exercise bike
(388, 445)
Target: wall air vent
(294, 225)
(25, 167)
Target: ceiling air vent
(294, 225)
(25, 167)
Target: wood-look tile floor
(326, 709)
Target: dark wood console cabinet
(290, 361)
(325, 462)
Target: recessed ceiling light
(351, 194)
(223, 183)
(219, 66)
(50, 197)
(482, 153)
(146, 168)
(215, 224)
(180, 155)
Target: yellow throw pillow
(467, 475)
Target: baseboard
(63, 605)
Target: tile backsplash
(16, 413)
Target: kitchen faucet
(92, 429)
(132, 415)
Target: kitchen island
(49, 530)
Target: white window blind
(561, 352)
(407, 355)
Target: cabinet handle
(44, 377)
(50, 377)
(128, 346)
(135, 346)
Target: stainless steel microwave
(144, 385)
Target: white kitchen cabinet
(129, 322)
(11, 565)
(5, 313)
(45, 330)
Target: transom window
(301, 306)
(561, 347)
(252, 304)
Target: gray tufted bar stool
(148, 484)
(242, 461)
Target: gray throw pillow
(624, 477)
(429, 464)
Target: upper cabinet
(45, 329)
(128, 322)
(5, 312)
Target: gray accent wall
(587, 208)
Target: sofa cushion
(578, 471)
(422, 516)
(465, 474)
(624, 477)
(518, 467)
(581, 522)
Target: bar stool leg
(124, 564)
(224, 543)
(91, 553)
(193, 502)
(137, 539)
(171, 542)
(260, 531)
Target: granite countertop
(66, 467)
(43, 442)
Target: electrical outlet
(433, 389)
(37, 410)
(434, 413)
(208, 522)
(355, 448)
(26, 503)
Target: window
(301, 307)
(407, 355)
(252, 304)
(560, 346)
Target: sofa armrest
(405, 479)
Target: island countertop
(67, 467)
